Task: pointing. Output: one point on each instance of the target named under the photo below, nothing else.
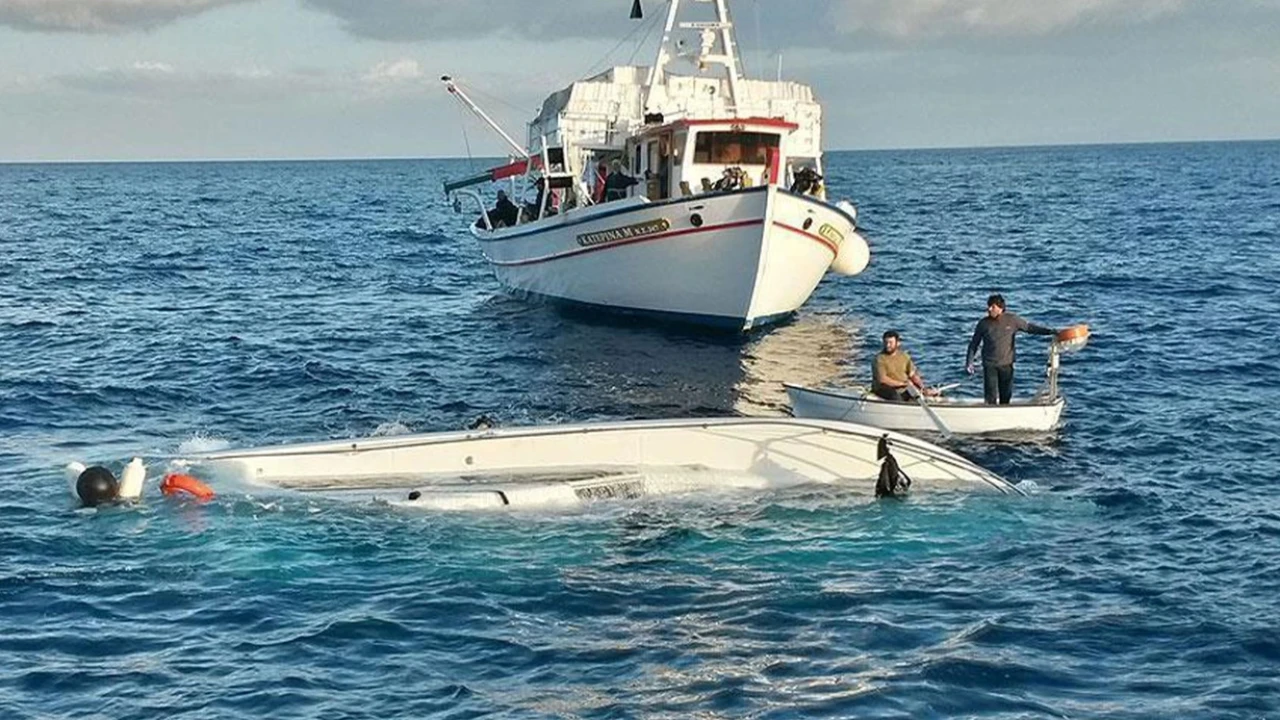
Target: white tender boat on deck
(962, 416)
(567, 466)
(729, 225)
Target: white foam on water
(197, 444)
(391, 428)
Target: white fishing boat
(961, 416)
(729, 224)
(569, 465)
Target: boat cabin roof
(751, 123)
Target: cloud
(161, 81)
(904, 19)
(150, 80)
(100, 16)
(403, 70)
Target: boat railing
(474, 196)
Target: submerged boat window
(729, 147)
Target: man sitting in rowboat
(892, 371)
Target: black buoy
(96, 485)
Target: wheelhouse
(688, 157)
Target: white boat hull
(735, 260)
(566, 466)
(961, 416)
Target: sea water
(163, 308)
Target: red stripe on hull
(835, 249)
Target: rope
(603, 61)
(760, 51)
(471, 167)
(652, 24)
(477, 91)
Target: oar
(946, 431)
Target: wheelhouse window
(728, 147)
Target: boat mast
(706, 54)
(457, 92)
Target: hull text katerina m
(694, 197)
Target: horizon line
(402, 158)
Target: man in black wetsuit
(995, 334)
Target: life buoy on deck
(1069, 340)
(175, 483)
(1072, 338)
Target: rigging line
(742, 61)
(603, 61)
(760, 51)
(471, 167)
(653, 23)
(477, 91)
(741, 69)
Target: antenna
(721, 30)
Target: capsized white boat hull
(966, 416)
(734, 260)
(566, 466)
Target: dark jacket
(615, 186)
(996, 338)
(506, 211)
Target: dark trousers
(997, 379)
(895, 394)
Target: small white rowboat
(567, 466)
(962, 416)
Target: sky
(247, 79)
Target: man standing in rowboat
(995, 334)
(892, 371)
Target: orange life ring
(1075, 332)
(174, 483)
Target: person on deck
(598, 179)
(618, 182)
(503, 214)
(892, 371)
(547, 201)
(505, 210)
(995, 334)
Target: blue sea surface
(164, 308)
